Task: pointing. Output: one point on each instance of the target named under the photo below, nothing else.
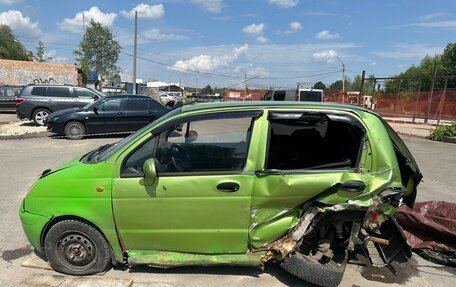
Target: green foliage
(39, 55)
(99, 51)
(449, 62)
(10, 47)
(207, 90)
(443, 131)
(337, 85)
(319, 85)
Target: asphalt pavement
(22, 161)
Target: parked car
(112, 114)
(37, 102)
(8, 96)
(299, 95)
(238, 183)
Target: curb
(26, 136)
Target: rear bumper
(22, 115)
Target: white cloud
(449, 24)
(432, 16)
(254, 30)
(284, 3)
(10, 2)
(21, 25)
(210, 63)
(213, 6)
(262, 39)
(53, 57)
(155, 35)
(75, 24)
(294, 27)
(145, 11)
(326, 35)
(404, 51)
(325, 55)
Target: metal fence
(436, 105)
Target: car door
(137, 113)
(200, 201)
(309, 155)
(107, 116)
(61, 98)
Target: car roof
(129, 96)
(272, 104)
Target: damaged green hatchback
(300, 184)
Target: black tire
(40, 115)
(326, 275)
(76, 248)
(75, 130)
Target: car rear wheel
(76, 248)
(75, 130)
(39, 116)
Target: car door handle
(120, 113)
(353, 186)
(228, 187)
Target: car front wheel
(76, 248)
(39, 116)
(74, 130)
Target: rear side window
(38, 91)
(279, 95)
(312, 141)
(310, 96)
(137, 104)
(58, 92)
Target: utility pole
(361, 90)
(245, 86)
(343, 79)
(134, 53)
(428, 110)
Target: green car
(300, 184)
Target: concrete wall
(25, 72)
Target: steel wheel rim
(41, 116)
(76, 251)
(74, 130)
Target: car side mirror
(150, 174)
(95, 97)
(95, 110)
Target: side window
(137, 104)
(312, 142)
(111, 105)
(215, 145)
(279, 95)
(133, 166)
(38, 91)
(154, 105)
(83, 93)
(58, 92)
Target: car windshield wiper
(96, 152)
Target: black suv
(8, 96)
(112, 114)
(36, 102)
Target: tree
(10, 47)
(319, 85)
(207, 90)
(449, 62)
(99, 50)
(39, 55)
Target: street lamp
(343, 78)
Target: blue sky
(277, 42)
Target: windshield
(104, 153)
(97, 92)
